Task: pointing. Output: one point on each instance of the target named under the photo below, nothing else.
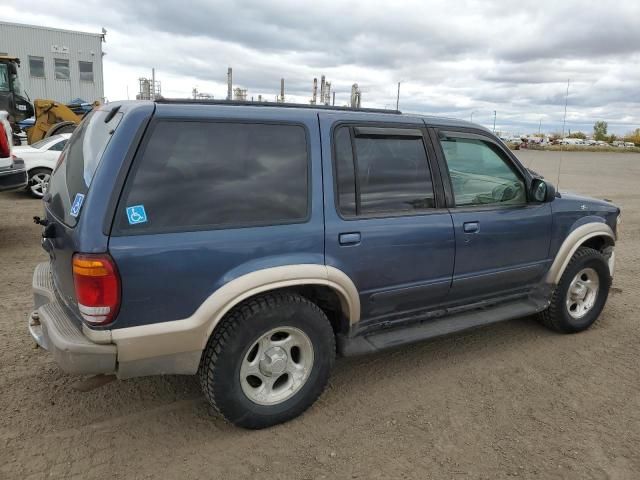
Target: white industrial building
(61, 65)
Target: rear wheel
(581, 293)
(38, 182)
(268, 360)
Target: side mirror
(542, 191)
(13, 70)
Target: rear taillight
(97, 286)
(5, 148)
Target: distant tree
(611, 138)
(577, 135)
(555, 136)
(633, 137)
(600, 130)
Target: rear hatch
(68, 189)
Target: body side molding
(573, 241)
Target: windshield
(72, 178)
(41, 143)
(4, 78)
(17, 88)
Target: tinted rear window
(80, 160)
(196, 175)
(390, 174)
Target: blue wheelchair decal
(77, 205)
(136, 214)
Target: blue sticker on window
(77, 205)
(136, 214)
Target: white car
(40, 160)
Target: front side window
(86, 71)
(36, 66)
(480, 175)
(389, 175)
(61, 69)
(211, 174)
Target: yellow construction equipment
(52, 118)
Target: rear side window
(197, 175)
(382, 173)
(79, 161)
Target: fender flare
(573, 241)
(192, 333)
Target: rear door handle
(471, 227)
(349, 238)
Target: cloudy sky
(452, 57)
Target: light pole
(494, 122)
(566, 100)
(398, 98)
(471, 119)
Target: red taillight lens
(97, 287)
(5, 148)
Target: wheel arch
(304, 279)
(39, 167)
(597, 235)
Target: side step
(389, 338)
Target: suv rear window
(197, 175)
(79, 162)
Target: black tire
(219, 370)
(32, 173)
(556, 316)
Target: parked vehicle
(13, 175)
(572, 141)
(249, 244)
(40, 160)
(48, 116)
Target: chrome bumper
(52, 327)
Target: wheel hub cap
(274, 362)
(276, 365)
(582, 293)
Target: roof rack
(270, 104)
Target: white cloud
(453, 57)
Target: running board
(393, 337)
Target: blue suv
(251, 243)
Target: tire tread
(551, 317)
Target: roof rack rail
(270, 104)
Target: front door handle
(349, 238)
(471, 227)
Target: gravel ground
(508, 400)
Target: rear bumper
(14, 177)
(54, 330)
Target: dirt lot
(509, 400)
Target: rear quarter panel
(167, 276)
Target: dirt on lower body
(512, 399)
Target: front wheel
(38, 182)
(268, 360)
(581, 293)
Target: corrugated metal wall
(23, 41)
